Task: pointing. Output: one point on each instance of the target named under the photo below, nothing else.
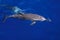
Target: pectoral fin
(34, 22)
(4, 19)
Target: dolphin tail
(4, 18)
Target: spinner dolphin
(32, 17)
(26, 16)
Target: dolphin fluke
(4, 18)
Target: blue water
(15, 29)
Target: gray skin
(27, 16)
(32, 17)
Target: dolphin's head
(45, 19)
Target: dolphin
(28, 16)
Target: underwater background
(15, 29)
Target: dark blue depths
(14, 29)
